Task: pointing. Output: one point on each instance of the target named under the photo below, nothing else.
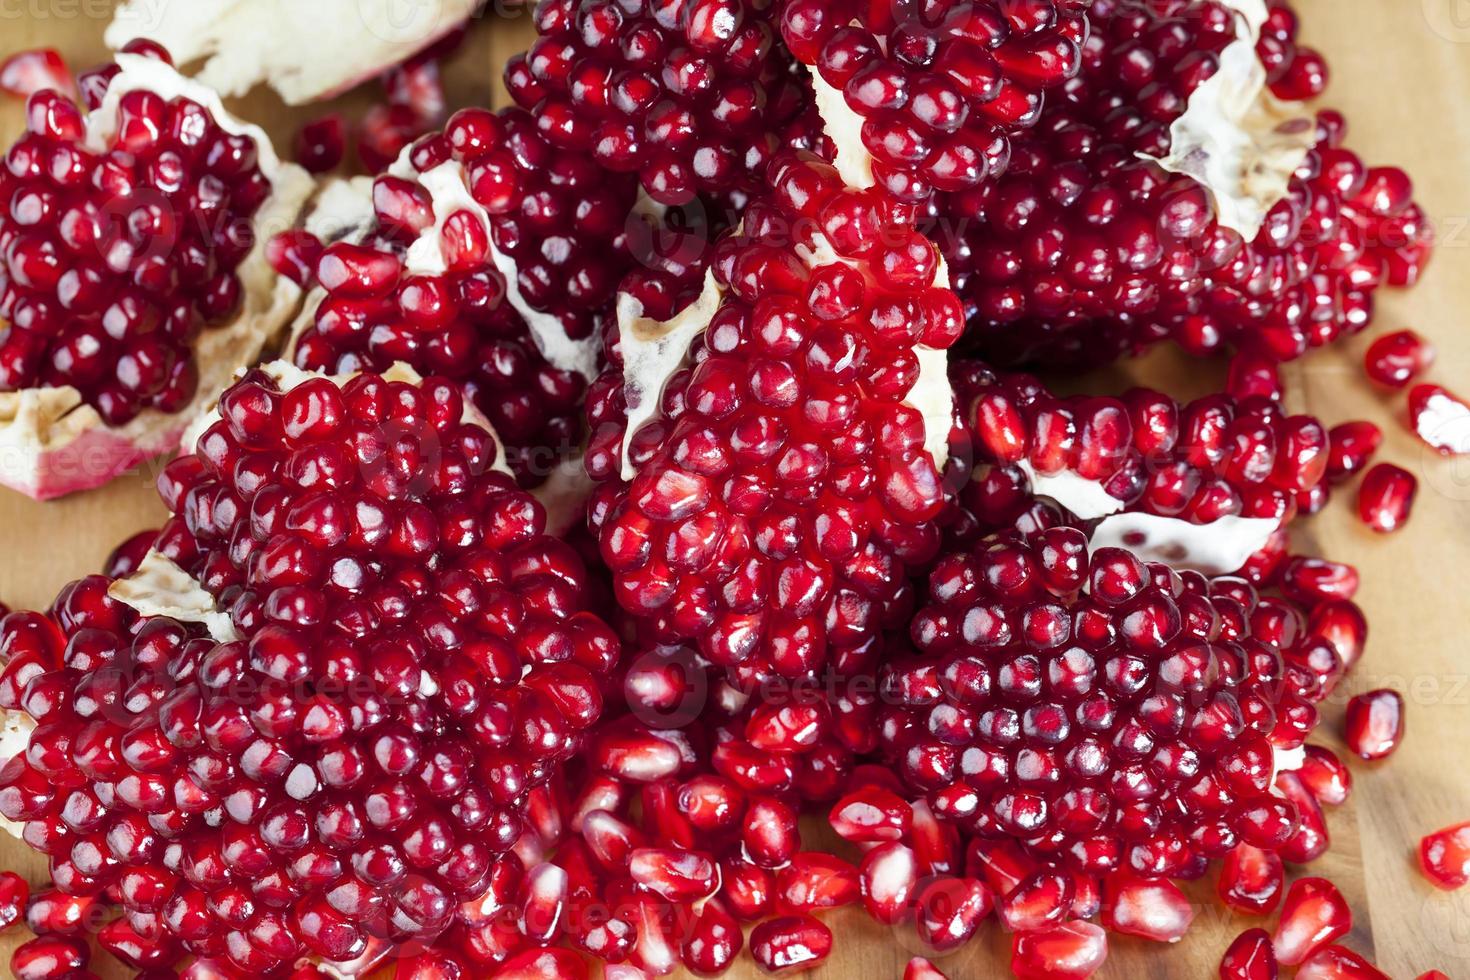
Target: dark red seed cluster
(414, 657)
(1084, 251)
(116, 258)
(784, 489)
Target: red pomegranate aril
(322, 143)
(25, 73)
(919, 968)
(1156, 910)
(14, 895)
(1396, 359)
(1326, 776)
(1314, 580)
(1432, 975)
(713, 942)
(747, 889)
(1351, 447)
(543, 964)
(676, 876)
(1313, 915)
(790, 942)
(1440, 418)
(814, 881)
(1374, 723)
(871, 816)
(50, 912)
(1386, 497)
(1041, 900)
(49, 958)
(1071, 951)
(1251, 880)
(1338, 963)
(1444, 857)
(1250, 957)
(948, 911)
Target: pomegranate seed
(1374, 723)
(1432, 975)
(1397, 358)
(1041, 900)
(1440, 419)
(1071, 951)
(49, 958)
(790, 942)
(14, 894)
(1386, 497)
(887, 877)
(1156, 910)
(1444, 857)
(27, 72)
(871, 816)
(747, 889)
(1313, 915)
(543, 964)
(1338, 963)
(815, 881)
(714, 941)
(950, 910)
(1250, 957)
(1251, 880)
(1313, 580)
(321, 144)
(1326, 776)
(1351, 447)
(919, 968)
(675, 876)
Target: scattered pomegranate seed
(1313, 915)
(1250, 957)
(815, 881)
(714, 941)
(1440, 418)
(49, 958)
(27, 72)
(1386, 497)
(1338, 963)
(921, 969)
(14, 895)
(790, 942)
(948, 911)
(1445, 857)
(1314, 580)
(888, 876)
(1351, 446)
(1374, 723)
(1071, 951)
(1432, 975)
(1153, 909)
(871, 816)
(322, 143)
(1327, 776)
(1251, 880)
(1398, 358)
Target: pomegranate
(245, 42)
(1314, 915)
(768, 459)
(1440, 418)
(134, 283)
(353, 656)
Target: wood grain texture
(1400, 71)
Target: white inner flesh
(844, 127)
(343, 210)
(1236, 138)
(1083, 497)
(161, 588)
(305, 49)
(1218, 548)
(1444, 423)
(448, 187)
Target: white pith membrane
(51, 441)
(1220, 547)
(654, 350)
(1083, 497)
(844, 127)
(1444, 424)
(304, 49)
(1236, 138)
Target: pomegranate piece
(780, 563)
(1153, 909)
(14, 895)
(871, 816)
(1338, 963)
(322, 143)
(814, 881)
(1251, 880)
(1351, 446)
(790, 942)
(49, 958)
(1374, 723)
(125, 318)
(1386, 497)
(919, 968)
(25, 73)
(1313, 915)
(1440, 418)
(1326, 776)
(1395, 359)
(948, 911)
(1250, 957)
(1071, 951)
(1444, 857)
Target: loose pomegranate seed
(815, 881)
(49, 958)
(1433, 975)
(1338, 963)
(887, 878)
(1250, 957)
(25, 73)
(1156, 910)
(1326, 776)
(1351, 448)
(1374, 723)
(871, 816)
(790, 942)
(322, 143)
(1251, 880)
(1313, 915)
(50, 913)
(1445, 857)
(714, 942)
(1440, 418)
(950, 910)
(1041, 900)
(14, 894)
(1395, 359)
(675, 876)
(1071, 951)
(126, 557)
(543, 964)
(1311, 840)
(1386, 497)
(919, 968)
(1313, 580)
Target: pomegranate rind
(51, 442)
(1237, 139)
(243, 43)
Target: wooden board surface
(1401, 71)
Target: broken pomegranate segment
(1071, 951)
(1395, 359)
(1445, 857)
(1386, 497)
(135, 281)
(1250, 957)
(1441, 419)
(1313, 915)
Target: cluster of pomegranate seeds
(117, 255)
(414, 104)
(937, 87)
(783, 491)
(696, 97)
(1083, 251)
(414, 658)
